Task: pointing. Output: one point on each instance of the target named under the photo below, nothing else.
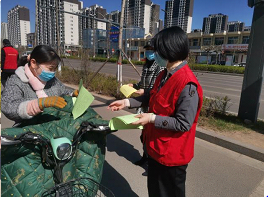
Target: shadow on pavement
(122, 148)
(116, 182)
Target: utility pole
(57, 27)
(94, 35)
(36, 25)
(119, 63)
(253, 77)
(58, 33)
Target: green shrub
(218, 68)
(215, 105)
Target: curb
(231, 144)
(219, 73)
(225, 142)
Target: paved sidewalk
(220, 140)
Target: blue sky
(237, 10)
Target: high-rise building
(179, 13)
(247, 28)
(18, 19)
(31, 40)
(234, 26)
(215, 23)
(137, 13)
(154, 19)
(115, 16)
(46, 23)
(168, 14)
(87, 20)
(4, 34)
(99, 12)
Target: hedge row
(218, 68)
(201, 67)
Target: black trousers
(166, 181)
(4, 77)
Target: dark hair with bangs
(171, 44)
(45, 54)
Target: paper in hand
(127, 90)
(124, 122)
(82, 102)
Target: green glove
(51, 101)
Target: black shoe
(141, 161)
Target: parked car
(241, 64)
(26, 53)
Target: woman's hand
(117, 105)
(139, 92)
(143, 119)
(130, 84)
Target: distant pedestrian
(150, 71)
(9, 61)
(174, 106)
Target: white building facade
(4, 34)
(138, 14)
(18, 25)
(68, 23)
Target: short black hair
(45, 54)
(172, 44)
(6, 42)
(22, 61)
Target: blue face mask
(149, 55)
(46, 75)
(160, 61)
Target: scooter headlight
(62, 147)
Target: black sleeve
(2, 58)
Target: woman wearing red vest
(174, 106)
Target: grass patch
(229, 123)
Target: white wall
(71, 28)
(189, 25)
(147, 14)
(24, 29)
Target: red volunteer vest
(11, 58)
(167, 147)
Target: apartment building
(18, 19)
(46, 23)
(179, 13)
(215, 23)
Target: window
(245, 40)
(206, 41)
(219, 40)
(233, 40)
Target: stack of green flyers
(124, 122)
